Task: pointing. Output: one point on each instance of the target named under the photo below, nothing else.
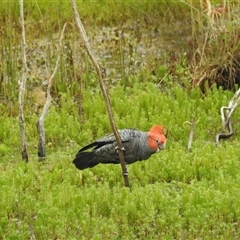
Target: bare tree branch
(40, 122)
(22, 88)
(227, 130)
(104, 91)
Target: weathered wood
(22, 88)
(103, 89)
(227, 130)
(40, 121)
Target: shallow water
(121, 51)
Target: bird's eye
(156, 141)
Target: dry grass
(215, 42)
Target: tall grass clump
(215, 44)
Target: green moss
(174, 194)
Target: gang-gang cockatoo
(137, 146)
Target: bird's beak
(161, 146)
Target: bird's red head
(159, 129)
(157, 138)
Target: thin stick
(190, 139)
(40, 122)
(22, 88)
(104, 91)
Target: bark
(103, 89)
(22, 88)
(40, 122)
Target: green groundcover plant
(176, 194)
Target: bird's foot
(125, 173)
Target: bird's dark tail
(84, 160)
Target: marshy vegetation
(154, 56)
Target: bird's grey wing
(125, 136)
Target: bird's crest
(159, 129)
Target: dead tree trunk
(104, 91)
(40, 122)
(22, 87)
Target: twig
(190, 139)
(22, 88)
(103, 88)
(226, 121)
(40, 122)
